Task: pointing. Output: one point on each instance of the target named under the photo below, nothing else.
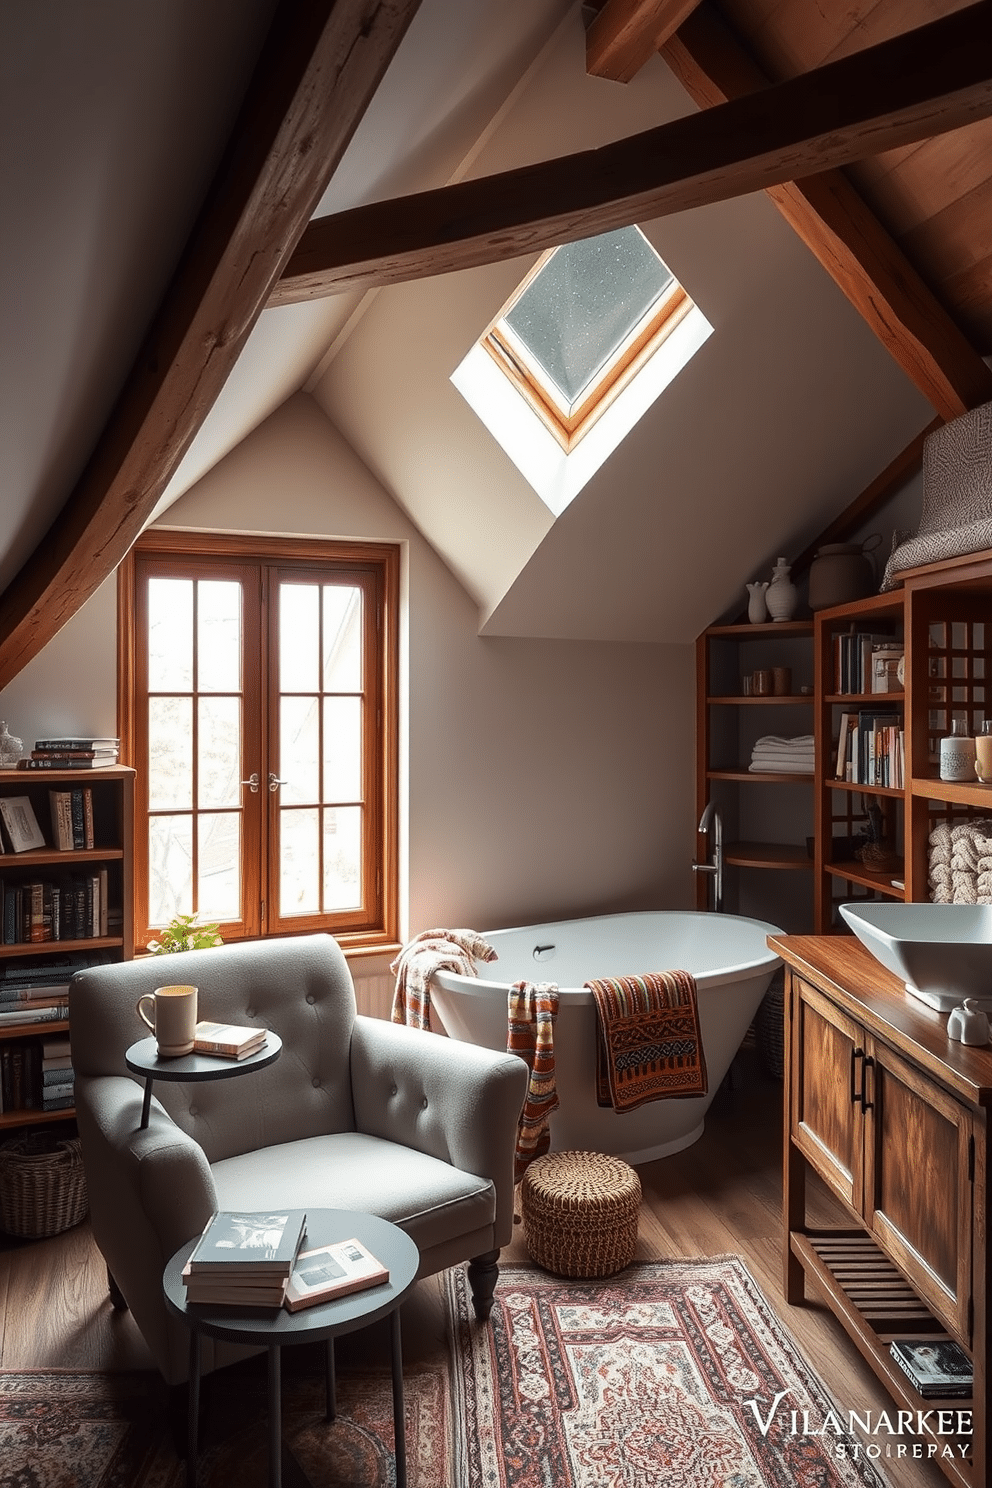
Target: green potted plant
(183, 933)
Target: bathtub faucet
(711, 817)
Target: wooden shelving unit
(728, 721)
(943, 615)
(113, 821)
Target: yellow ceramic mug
(172, 1020)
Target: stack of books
(938, 1367)
(228, 1040)
(56, 1073)
(244, 1259)
(72, 754)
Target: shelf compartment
(785, 855)
(33, 1030)
(31, 1116)
(874, 1303)
(762, 777)
(882, 883)
(862, 789)
(759, 700)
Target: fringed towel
(531, 1011)
(648, 1044)
(420, 958)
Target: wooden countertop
(841, 966)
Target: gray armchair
(356, 1113)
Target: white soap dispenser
(968, 1024)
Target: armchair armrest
(456, 1102)
(149, 1190)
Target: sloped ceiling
(789, 409)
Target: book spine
(54, 1014)
(88, 834)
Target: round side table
(278, 1328)
(142, 1058)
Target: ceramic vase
(781, 597)
(757, 609)
(11, 748)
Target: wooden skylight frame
(636, 349)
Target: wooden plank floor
(723, 1195)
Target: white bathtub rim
(737, 971)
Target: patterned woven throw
(648, 1044)
(531, 1011)
(420, 958)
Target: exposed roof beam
(904, 89)
(627, 33)
(318, 69)
(841, 230)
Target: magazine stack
(244, 1259)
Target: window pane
(218, 636)
(219, 747)
(170, 752)
(342, 638)
(342, 858)
(219, 866)
(588, 297)
(299, 749)
(299, 862)
(170, 868)
(299, 637)
(170, 635)
(342, 749)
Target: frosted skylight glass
(579, 310)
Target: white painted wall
(545, 778)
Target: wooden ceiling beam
(317, 72)
(843, 233)
(627, 33)
(911, 87)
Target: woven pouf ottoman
(579, 1212)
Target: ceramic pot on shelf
(782, 596)
(842, 572)
(757, 609)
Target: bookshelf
(70, 933)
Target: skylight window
(582, 324)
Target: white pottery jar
(782, 596)
(957, 754)
(757, 609)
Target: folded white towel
(780, 767)
(777, 742)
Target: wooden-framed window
(258, 704)
(583, 323)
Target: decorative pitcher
(782, 596)
(757, 610)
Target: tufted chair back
(301, 988)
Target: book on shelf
(248, 1243)
(65, 762)
(938, 1367)
(207, 1293)
(57, 1013)
(885, 667)
(20, 823)
(227, 1040)
(332, 1271)
(72, 745)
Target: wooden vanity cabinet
(892, 1117)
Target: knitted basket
(42, 1186)
(580, 1213)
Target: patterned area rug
(672, 1375)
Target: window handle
(275, 782)
(252, 782)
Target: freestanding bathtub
(728, 956)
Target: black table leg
(193, 1418)
(146, 1104)
(399, 1420)
(331, 1410)
(275, 1422)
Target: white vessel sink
(943, 952)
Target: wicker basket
(42, 1186)
(580, 1213)
(769, 1026)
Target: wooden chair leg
(483, 1273)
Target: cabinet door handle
(866, 1104)
(856, 1094)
